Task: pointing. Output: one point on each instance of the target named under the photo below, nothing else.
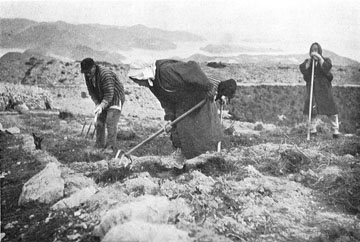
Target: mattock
(123, 154)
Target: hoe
(127, 154)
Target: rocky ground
(267, 184)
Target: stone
(22, 108)
(76, 199)
(146, 208)
(140, 184)
(45, 187)
(43, 157)
(13, 130)
(146, 232)
(75, 181)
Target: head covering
(86, 64)
(226, 88)
(319, 48)
(141, 70)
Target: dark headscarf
(226, 88)
(319, 47)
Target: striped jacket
(107, 90)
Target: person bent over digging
(179, 86)
(323, 102)
(107, 92)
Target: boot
(175, 160)
(334, 120)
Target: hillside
(79, 41)
(34, 68)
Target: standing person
(107, 92)
(323, 101)
(179, 86)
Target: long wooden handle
(162, 130)
(311, 97)
(221, 122)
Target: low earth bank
(284, 104)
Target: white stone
(75, 181)
(22, 108)
(13, 130)
(146, 232)
(145, 183)
(45, 187)
(75, 199)
(147, 208)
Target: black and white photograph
(180, 120)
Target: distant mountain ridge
(82, 40)
(273, 59)
(105, 43)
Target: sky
(287, 24)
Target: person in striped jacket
(179, 86)
(107, 92)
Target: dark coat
(179, 86)
(323, 101)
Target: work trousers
(108, 118)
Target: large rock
(140, 186)
(28, 141)
(22, 108)
(75, 199)
(107, 198)
(45, 187)
(43, 157)
(146, 232)
(74, 181)
(13, 130)
(147, 208)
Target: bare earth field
(267, 184)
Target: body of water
(187, 49)
(183, 50)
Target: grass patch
(343, 190)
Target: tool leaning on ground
(311, 97)
(127, 154)
(222, 103)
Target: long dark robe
(179, 86)
(323, 101)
